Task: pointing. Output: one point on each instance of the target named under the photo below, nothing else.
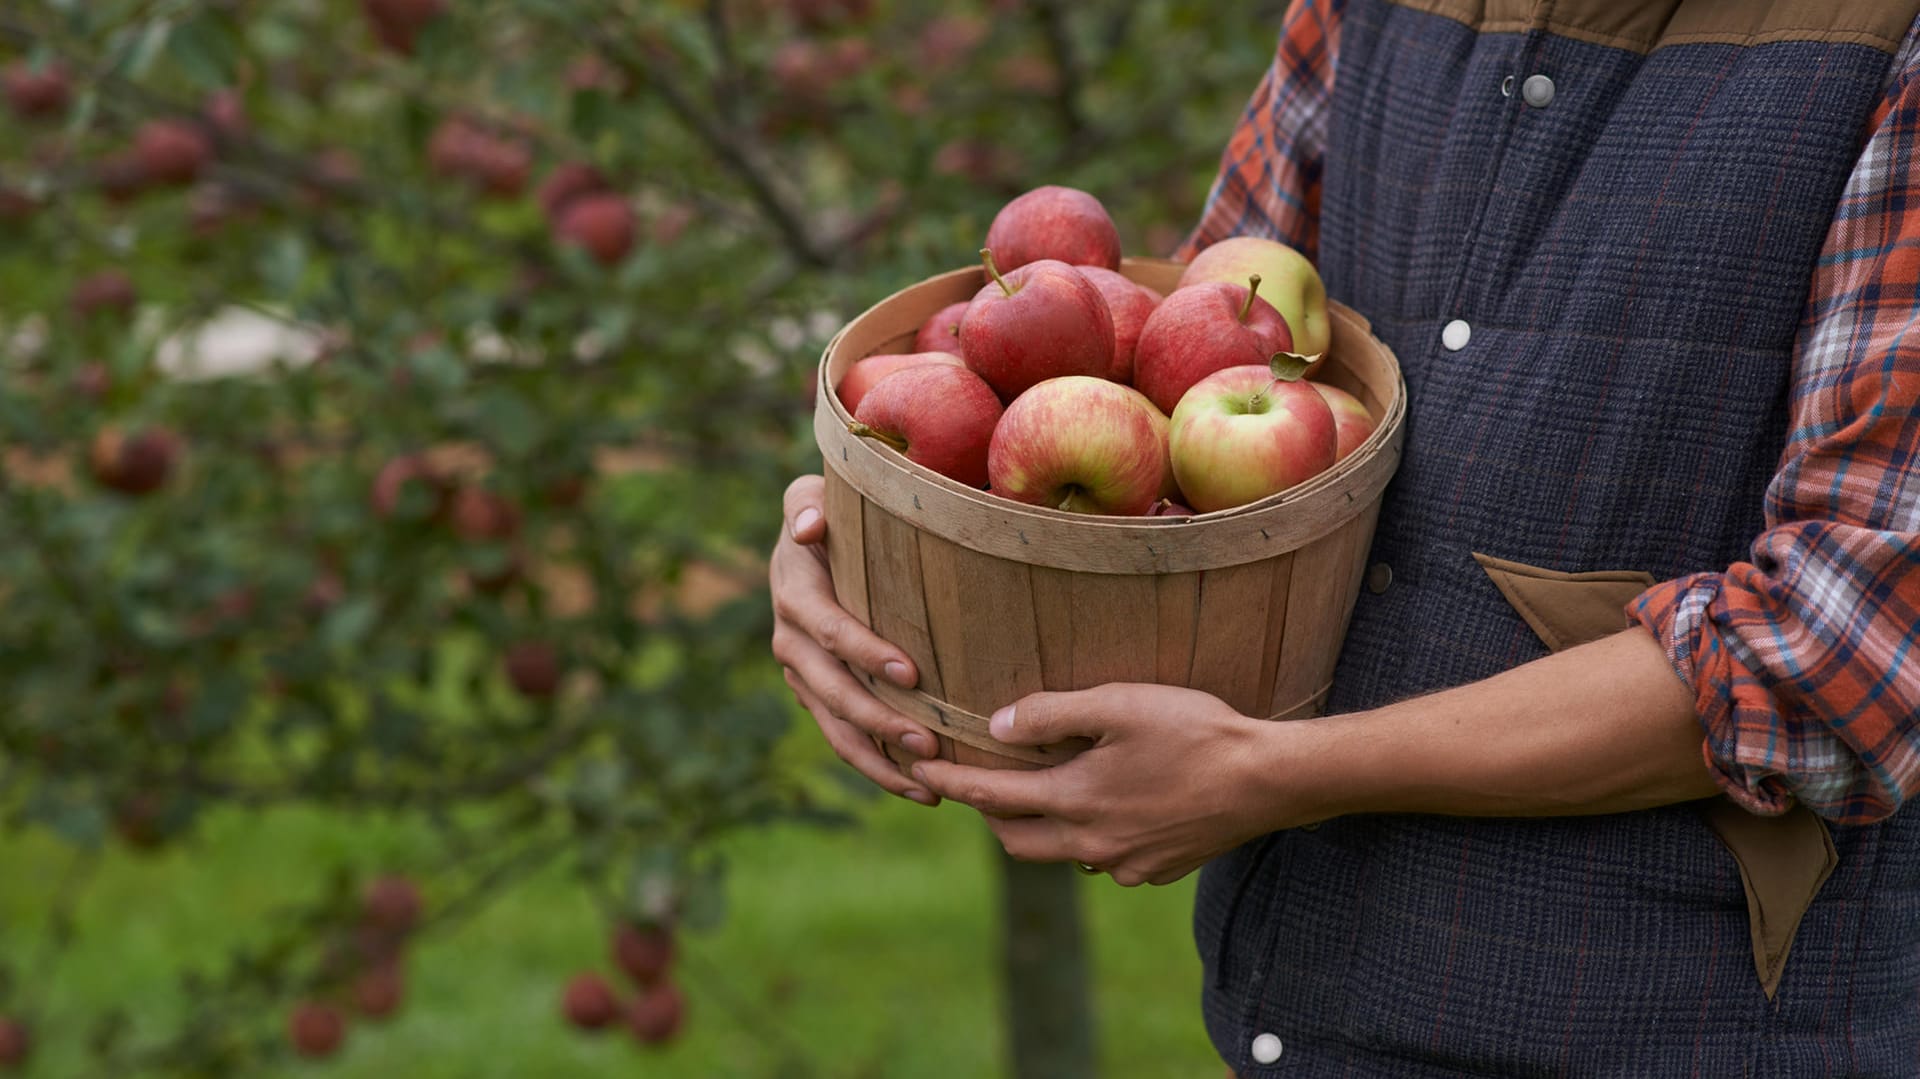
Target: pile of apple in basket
(1064, 384)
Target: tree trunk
(1049, 1006)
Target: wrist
(1304, 771)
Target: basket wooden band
(971, 729)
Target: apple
(397, 23)
(1241, 434)
(948, 40)
(1293, 286)
(1352, 423)
(862, 374)
(397, 476)
(316, 1029)
(378, 993)
(36, 93)
(533, 667)
(108, 290)
(655, 1016)
(601, 224)
(479, 515)
(1201, 329)
(941, 333)
(589, 1003)
(172, 151)
(568, 181)
(226, 113)
(135, 464)
(644, 952)
(16, 1043)
(1130, 305)
(1167, 507)
(939, 415)
(1081, 444)
(392, 904)
(1052, 222)
(121, 177)
(1044, 320)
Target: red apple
(568, 181)
(316, 1029)
(397, 23)
(392, 904)
(379, 992)
(1044, 320)
(862, 375)
(533, 667)
(1167, 507)
(226, 113)
(1061, 223)
(644, 952)
(172, 151)
(1240, 434)
(1130, 305)
(16, 1043)
(941, 333)
(479, 515)
(1081, 444)
(1202, 329)
(1289, 283)
(36, 93)
(939, 415)
(589, 1002)
(601, 224)
(1352, 423)
(121, 177)
(655, 1016)
(947, 40)
(108, 290)
(135, 464)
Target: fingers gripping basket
(995, 600)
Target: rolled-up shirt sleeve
(1800, 659)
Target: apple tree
(395, 400)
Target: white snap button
(1266, 1048)
(1537, 91)
(1456, 335)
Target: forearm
(1601, 728)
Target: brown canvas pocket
(1783, 860)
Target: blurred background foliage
(395, 401)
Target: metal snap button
(1266, 1048)
(1379, 577)
(1506, 86)
(1537, 91)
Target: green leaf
(206, 50)
(350, 621)
(507, 421)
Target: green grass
(868, 952)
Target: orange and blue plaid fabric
(1798, 658)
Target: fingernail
(919, 774)
(922, 797)
(1001, 724)
(805, 520)
(898, 674)
(917, 744)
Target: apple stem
(864, 431)
(986, 256)
(1253, 289)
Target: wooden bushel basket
(994, 599)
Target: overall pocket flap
(1566, 609)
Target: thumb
(1043, 718)
(804, 508)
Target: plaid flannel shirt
(1797, 658)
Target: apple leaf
(1291, 366)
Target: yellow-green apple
(864, 373)
(1242, 434)
(1044, 320)
(1352, 423)
(1292, 284)
(1201, 329)
(1130, 305)
(1081, 444)
(1053, 222)
(941, 333)
(941, 416)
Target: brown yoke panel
(1645, 26)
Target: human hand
(1174, 778)
(816, 641)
